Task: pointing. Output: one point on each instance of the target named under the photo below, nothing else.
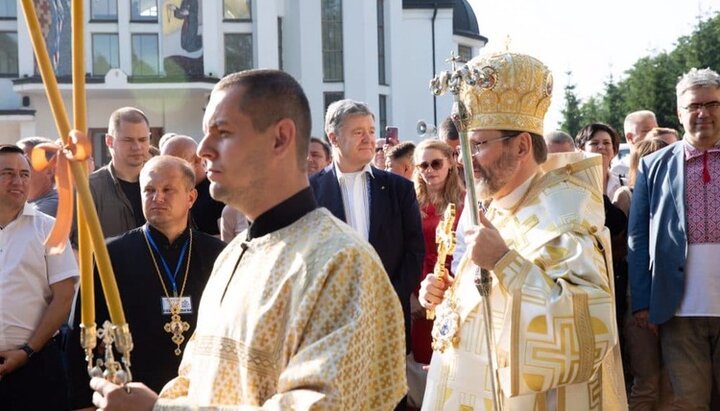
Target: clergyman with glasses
(674, 243)
(543, 241)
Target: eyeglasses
(476, 148)
(709, 106)
(378, 149)
(435, 164)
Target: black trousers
(41, 384)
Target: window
(238, 52)
(382, 113)
(236, 10)
(144, 10)
(103, 10)
(8, 9)
(464, 53)
(332, 40)
(331, 97)
(145, 61)
(8, 54)
(105, 54)
(381, 41)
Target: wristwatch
(28, 350)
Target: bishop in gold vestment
(544, 243)
(553, 311)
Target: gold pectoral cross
(176, 326)
(445, 240)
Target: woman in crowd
(602, 139)
(437, 184)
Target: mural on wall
(54, 19)
(182, 40)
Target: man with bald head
(558, 141)
(636, 126)
(206, 211)
(170, 264)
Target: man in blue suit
(674, 243)
(380, 205)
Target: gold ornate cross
(446, 241)
(176, 326)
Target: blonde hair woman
(437, 184)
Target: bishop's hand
(432, 290)
(485, 242)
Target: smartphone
(391, 135)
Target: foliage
(650, 83)
(572, 117)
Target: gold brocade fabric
(552, 300)
(309, 321)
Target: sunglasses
(435, 164)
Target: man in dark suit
(674, 243)
(380, 205)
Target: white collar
(341, 175)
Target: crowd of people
(263, 267)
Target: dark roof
(464, 21)
(428, 4)
(16, 112)
(36, 79)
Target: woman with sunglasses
(437, 184)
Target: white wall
(408, 54)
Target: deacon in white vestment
(544, 241)
(298, 312)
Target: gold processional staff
(73, 149)
(452, 81)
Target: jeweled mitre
(512, 93)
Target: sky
(591, 38)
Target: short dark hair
(586, 133)
(404, 149)
(11, 148)
(267, 97)
(448, 131)
(128, 115)
(324, 144)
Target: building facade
(164, 56)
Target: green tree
(591, 112)
(650, 83)
(572, 118)
(611, 109)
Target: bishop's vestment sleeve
(562, 311)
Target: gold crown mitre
(512, 92)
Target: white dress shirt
(26, 272)
(356, 198)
